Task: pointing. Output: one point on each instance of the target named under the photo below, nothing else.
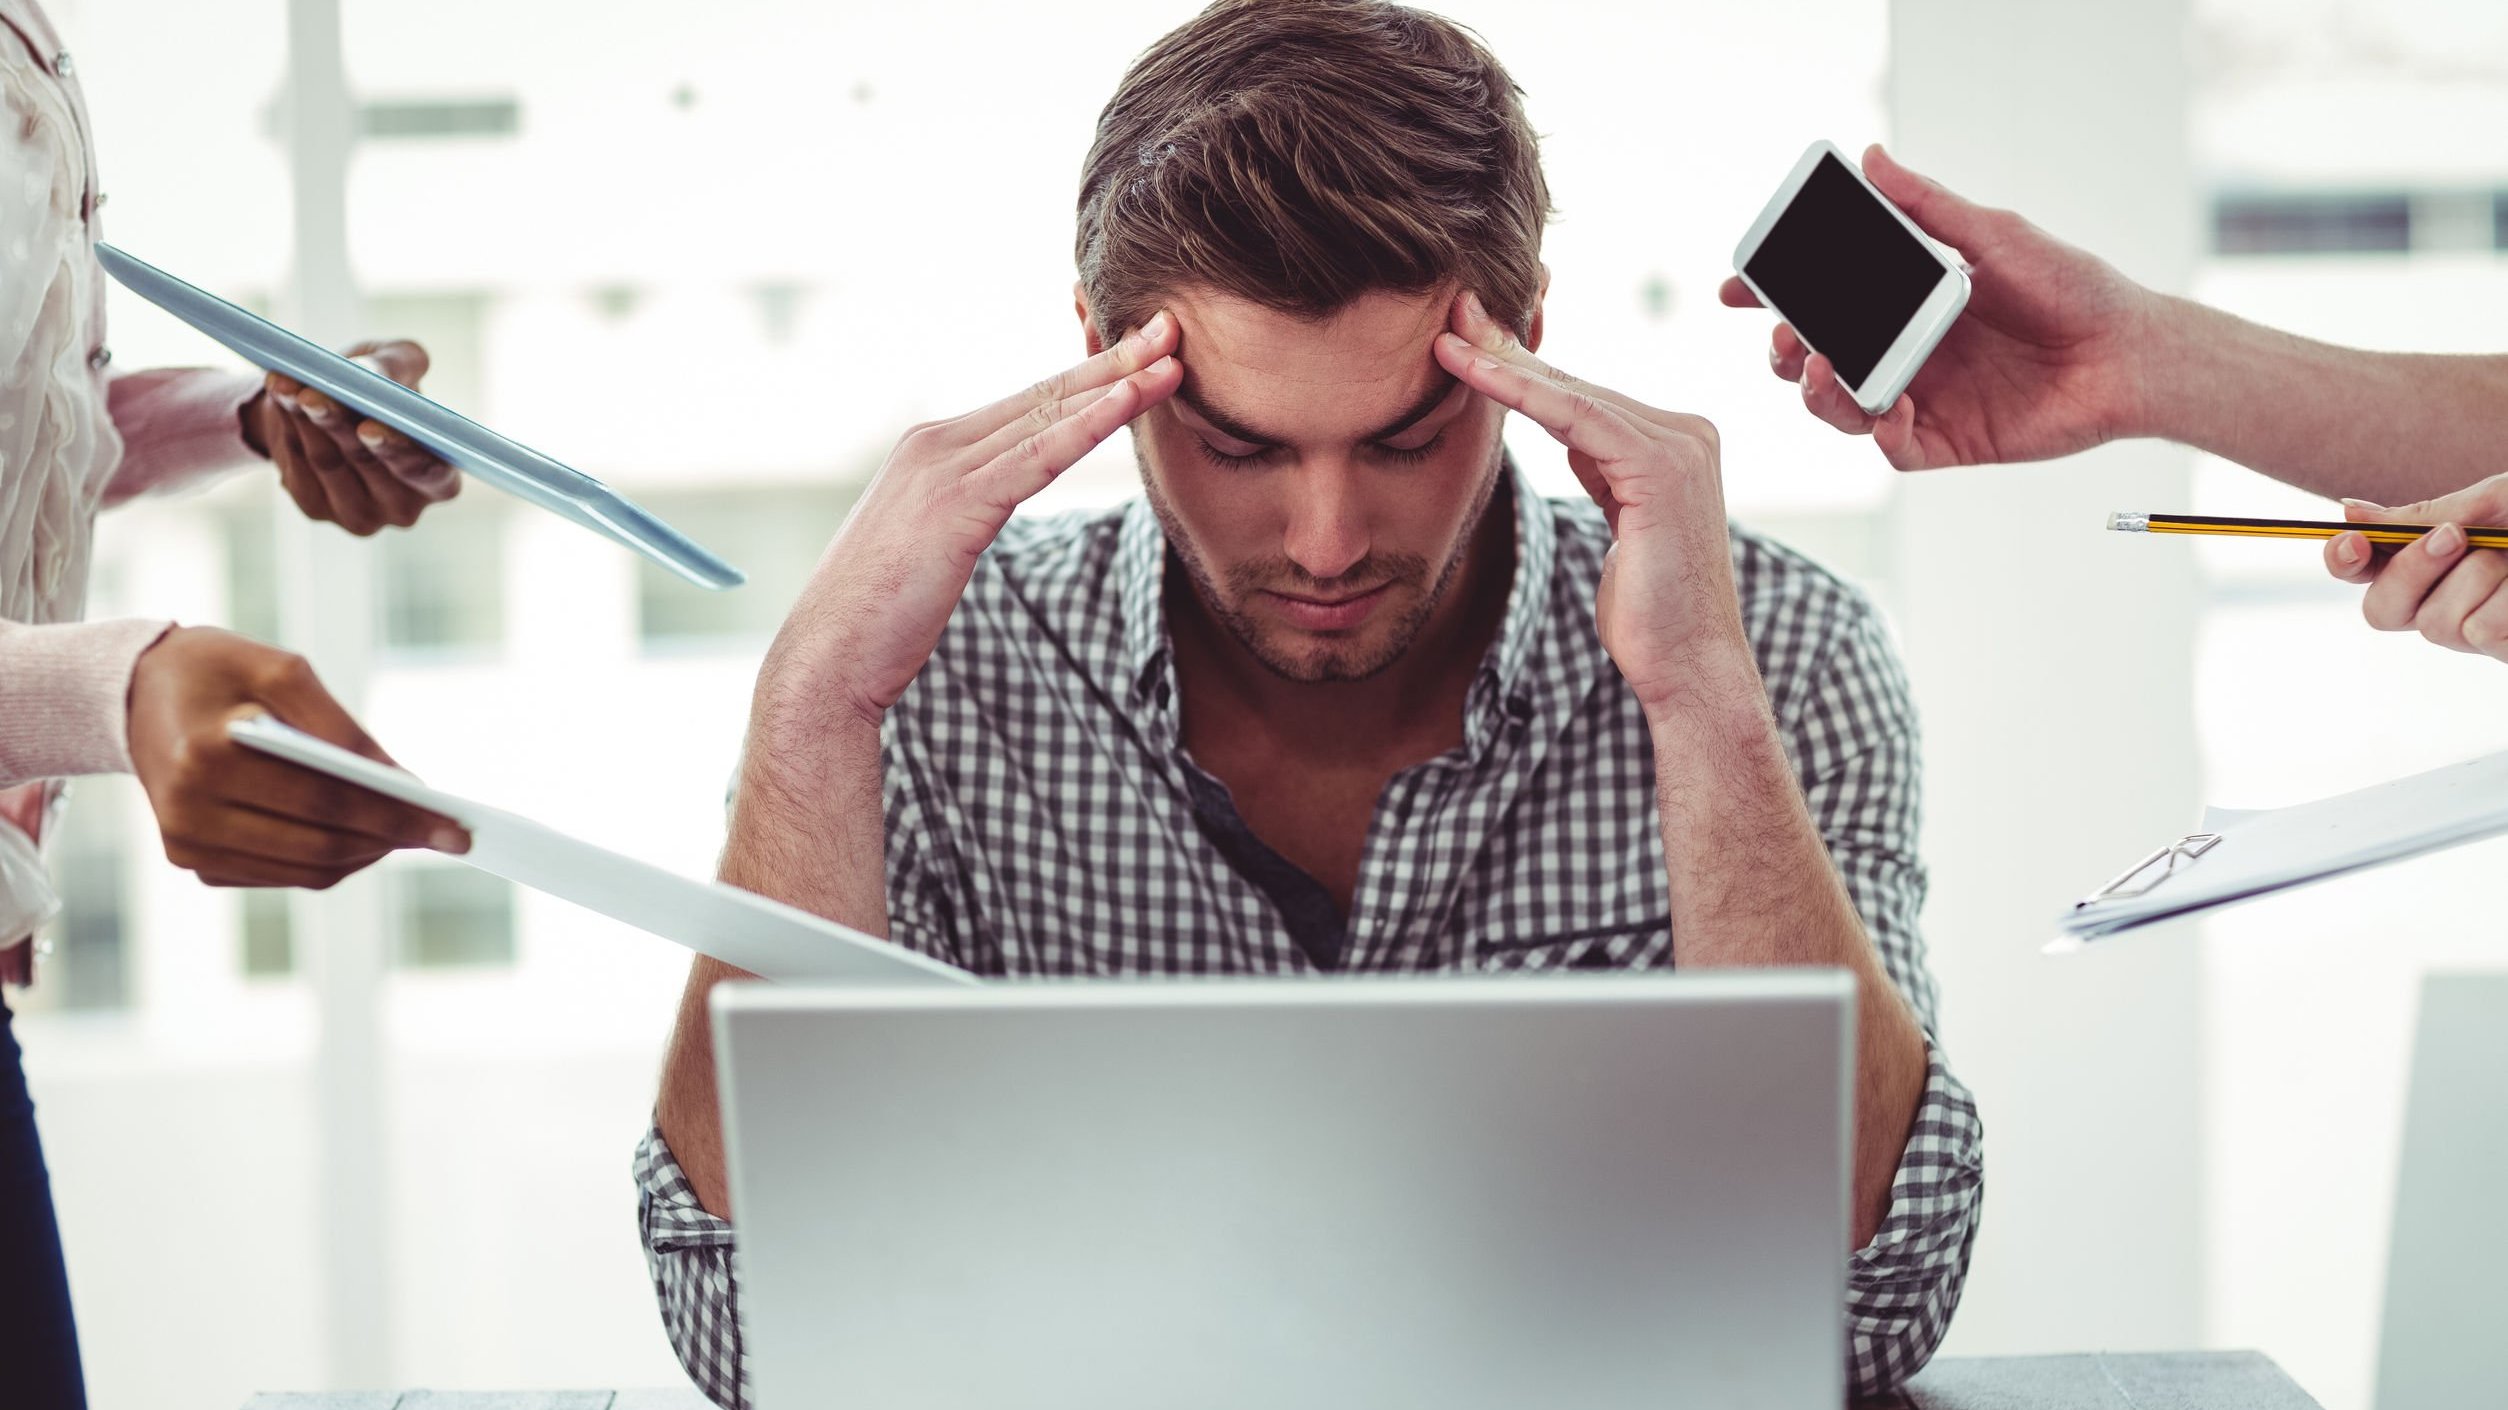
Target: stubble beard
(1324, 662)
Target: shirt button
(99, 358)
(101, 198)
(61, 66)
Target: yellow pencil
(2385, 535)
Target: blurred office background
(721, 255)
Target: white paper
(740, 928)
(2261, 852)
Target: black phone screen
(1842, 270)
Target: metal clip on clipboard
(2160, 865)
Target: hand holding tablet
(470, 447)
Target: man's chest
(1540, 851)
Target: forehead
(1305, 379)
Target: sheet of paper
(2266, 851)
(767, 938)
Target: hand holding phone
(2052, 355)
(1859, 282)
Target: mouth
(1328, 614)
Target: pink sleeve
(177, 424)
(65, 697)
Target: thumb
(296, 695)
(1943, 214)
(400, 359)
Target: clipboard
(740, 928)
(508, 465)
(2236, 856)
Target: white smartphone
(1855, 277)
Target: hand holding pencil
(2451, 585)
(2439, 567)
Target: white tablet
(466, 445)
(740, 928)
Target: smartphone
(1856, 278)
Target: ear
(1532, 330)
(1088, 325)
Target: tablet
(740, 928)
(466, 445)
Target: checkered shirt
(1042, 821)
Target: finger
(2486, 630)
(1477, 329)
(218, 867)
(282, 388)
(400, 501)
(1579, 420)
(352, 507)
(1825, 397)
(241, 830)
(1895, 433)
(2461, 593)
(2350, 558)
(1940, 212)
(2483, 504)
(2395, 598)
(296, 696)
(335, 422)
(1027, 467)
(290, 793)
(1733, 293)
(319, 493)
(1786, 352)
(413, 463)
(296, 474)
(1130, 353)
(1036, 422)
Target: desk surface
(2194, 1380)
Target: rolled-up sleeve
(1861, 772)
(688, 1252)
(178, 424)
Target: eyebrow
(1235, 429)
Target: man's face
(1320, 481)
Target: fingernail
(2445, 540)
(2347, 548)
(1156, 326)
(318, 411)
(1161, 365)
(449, 839)
(1485, 363)
(2364, 506)
(373, 435)
(1472, 304)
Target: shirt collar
(1498, 695)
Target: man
(2058, 352)
(1338, 695)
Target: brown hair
(1302, 153)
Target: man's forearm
(1752, 884)
(2393, 428)
(807, 830)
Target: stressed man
(1338, 694)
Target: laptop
(1383, 1194)
(2444, 1347)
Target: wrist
(1717, 688)
(2174, 357)
(249, 415)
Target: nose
(1327, 533)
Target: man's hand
(1667, 582)
(874, 608)
(2047, 359)
(358, 474)
(242, 818)
(2455, 598)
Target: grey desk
(2195, 1380)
